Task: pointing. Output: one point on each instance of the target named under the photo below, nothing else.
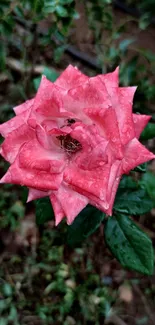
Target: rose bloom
(73, 141)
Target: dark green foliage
(129, 244)
(134, 202)
(141, 168)
(149, 132)
(44, 211)
(51, 74)
(132, 197)
(28, 13)
(84, 225)
(148, 182)
(10, 217)
(52, 289)
(127, 182)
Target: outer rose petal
(94, 182)
(36, 194)
(24, 106)
(48, 101)
(72, 202)
(113, 194)
(40, 180)
(15, 140)
(115, 173)
(58, 210)
(92, 93)
(88, 95)
(94, 200)
(140, 121)
(111, 80)
(122, 103)
(114, 179)
(105, 202)
(107, 206)
(71, 78)
(135, 154)
(14, 123)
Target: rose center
(69, 144)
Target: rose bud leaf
(129, 244)
(44, 211)
(88, 220)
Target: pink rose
(73, 141)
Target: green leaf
(66, 2)
(148, 181)
(141, 168)
(61, 11)
(58, 52)
(133, 202)
(44, 211)
(51, 74)
(149, 132)
(127, 183)
(125, 44)
(144, 21)
(36, 82)
(129, 244)
(88, 220)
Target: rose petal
(111, 80)
(135, 154)
(93, 93)
(14, 123)
(58, 210)
(94, 182)
(48, 100)
(122, 103)
(40, 180)
(50, 124)
(72, 202)
(87, 135)
(36, 194)
(93, 200)
(115, 172)
(113, 192)
(15, 140)
(45, 139)
(33, 156)
(71, 78)
(108, 130)
(24, 106)
(140, 121)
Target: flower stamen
(69, 144)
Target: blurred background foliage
(43, 281)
